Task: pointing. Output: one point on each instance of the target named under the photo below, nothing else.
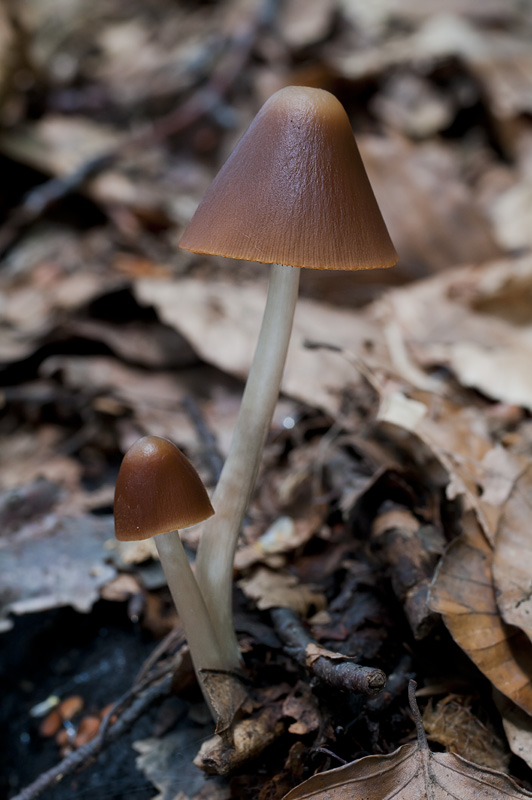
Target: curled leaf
(463, 593)
(512, 558)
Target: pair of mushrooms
(294, 193)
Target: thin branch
(153, 683)
(107, 734)
(337, 670)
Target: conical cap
(294, 191)
(157, 491)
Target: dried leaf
(512, 558)
(427, 177)
(462, 591)
(304, 22)
(227, 693)
(481, 330)
(459, 439)
(58, 145)
(281, 537)
(278, 589)
(63, 562)
(221, 321)
(302, 706)
(517, 727)
(411, 772)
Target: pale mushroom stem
(191, 607)
(214, 563)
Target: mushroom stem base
(199, 631)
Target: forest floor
(391, 520)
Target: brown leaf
(302, 706)
(481, 329)
(411, 772)
(427, 177)
(458, 437)
(278, 589)
(463, 593)
(512, 559)
(302, 23)
(517, 727)
(221, 321)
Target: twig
(397, 682)
(153, 682)
(106, 735)
(410, 551)
(205, 101)
(337, 670)
(172, 641)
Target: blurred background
(114, 118)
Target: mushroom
(293, 193)
(157, 492)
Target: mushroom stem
(214, 563)
(190, 605)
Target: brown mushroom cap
(294, 191)
(157, 491)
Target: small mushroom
(157, 492)
(293, 192)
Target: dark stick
(337, 670)
(396, 684)
(420, 730)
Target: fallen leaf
(512, 558)
(271, 589)
(303, 23)
(517, 727)
(61, 562)
(302, 706)
(121, 588)
(458, 437)
(58, 145)
(482, 328)
(226, 693)
(221, 321)
(281, 537)
(411, 772)
(427, 177)
(462, 591)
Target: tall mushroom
(157, 492)
(293, 193)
